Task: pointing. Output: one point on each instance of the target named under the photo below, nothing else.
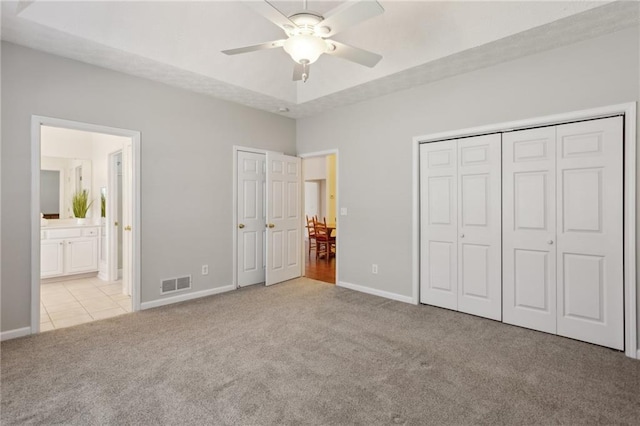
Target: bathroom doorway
(86, 212)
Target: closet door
(590, 227)
(438, 224)
(529, 228)
(479, 228)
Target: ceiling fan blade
(354, 54)
(300, 72)
(266, 9)
(348, 15)
(255, 47)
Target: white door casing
(283, 257)
(529, 228)
(479, 226)
(590, 231)
(439, 224)
(251, 218)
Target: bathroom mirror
(50, 193)
(71, 175)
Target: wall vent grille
(170, 285)
(183, 283)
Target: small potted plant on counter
(81, 205)
(103, 208)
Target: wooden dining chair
(311, 231)
(325, 243)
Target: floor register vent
(176, 284)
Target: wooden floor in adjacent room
(319, 269)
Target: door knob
(241, 225)
(115, 223)
(271, 225)
(461, 235)
(549, 241)
(127, 228)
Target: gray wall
(374, 138)
(186, 170)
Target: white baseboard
(185, 297)
(13, 334)
(375, 292)
(638, 354)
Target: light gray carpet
(306, 352)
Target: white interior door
(590, 227)
(283, 218)
(113, 221)
(529, 228)
(251, 218)
(438, 224)
(479, 226)
(127, 217)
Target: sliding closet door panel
(479, 228)
(590, 226)
(438, 224)
(529, 228)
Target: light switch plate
(343, 211)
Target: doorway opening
(85, 192)
(320, 249)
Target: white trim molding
(186, 296)
(628, 110)
(36, 123)
(376, 292)
(14, 334)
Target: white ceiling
(179, 43)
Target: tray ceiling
(179, 43)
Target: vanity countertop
(55, 224)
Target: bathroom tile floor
(73, 302)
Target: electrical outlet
(343, 211)
(374, 269)
(205, 269)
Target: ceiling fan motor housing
(306, 22)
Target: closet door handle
(549, 242)
(461, 235)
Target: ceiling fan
(308, 34)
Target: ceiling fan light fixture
(305, 48)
